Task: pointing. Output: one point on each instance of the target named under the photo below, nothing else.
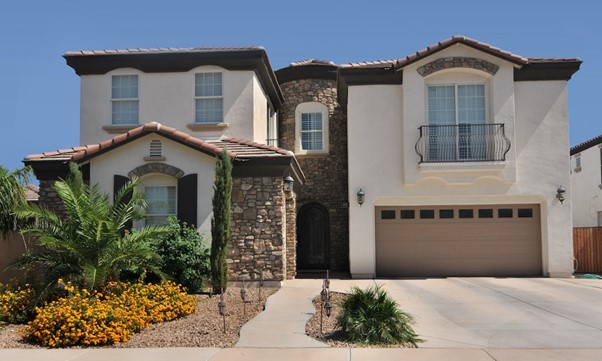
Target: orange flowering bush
(16, 303)
(109, 316)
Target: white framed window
(161, 200)
(311, 128)
(457, 119)
(272, 127)
(124, 99)
(578, 163)
(208, 95)
(599, 219)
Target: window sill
(312, 155)
(462, 166)
(118, 129)
(578, 169)
(207, 126)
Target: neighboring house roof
(239, 150)
(32, 193)
(157, 60)
(586, 145)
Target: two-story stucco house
(586, 183)
(443, 163)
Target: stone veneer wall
(291, 236)
(49, 199)
(326, 175)
(258, 230)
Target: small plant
(185, 257)
(372, 317)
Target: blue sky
(39, 93)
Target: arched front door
(313, 243)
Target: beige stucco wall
(383, 123)
(168, 98)
(586, 187)
(124, 159)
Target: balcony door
(458, 114)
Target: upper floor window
(578, 163)
(208, 97)
(311, 128)
(457, 118)
(124, 99)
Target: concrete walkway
(282, 324)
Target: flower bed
(110, 316)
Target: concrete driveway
(499, 312)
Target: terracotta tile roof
(312, 62)
(586, 145)
(400, 63)
(161, 50)
(237, 148)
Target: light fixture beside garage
(361, 197)
(560, 194)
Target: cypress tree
(220, 223)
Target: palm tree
(12, 195)
(89, 245)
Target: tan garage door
(445, 241)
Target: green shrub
(372, 317)
(185, 256)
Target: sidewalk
(300, 354)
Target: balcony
(462, 143)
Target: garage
(447, 241)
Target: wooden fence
(587, 249)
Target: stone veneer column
(258, 230)
(291, 236)
(49, 198)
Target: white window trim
(195, 97)
(312, 107)
(111, 100)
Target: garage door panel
(460, 247)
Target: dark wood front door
(313, 243)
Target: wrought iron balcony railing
(462, 143)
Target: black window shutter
(118, 182)
(187, 199)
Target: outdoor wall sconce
(361, 197)
(288, 184)
(560, 194)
